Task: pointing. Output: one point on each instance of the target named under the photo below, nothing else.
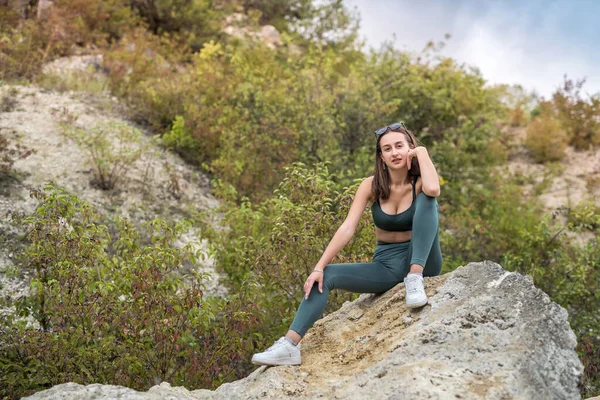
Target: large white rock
(486, 334)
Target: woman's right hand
(315, 276)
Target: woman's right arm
(342, 235)
(346, 230)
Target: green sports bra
(394, 222)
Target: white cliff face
(158, 185)
(485, 333)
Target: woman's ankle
(293, 336)
(416, 269)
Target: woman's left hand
(315, 277)
(412, 153)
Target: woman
(403, 193)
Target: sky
(533, 43)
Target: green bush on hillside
(112, 148)
(278, 242)
(27, 44)
(546, 139)
(579, 116)
(115, 310)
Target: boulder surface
(486, 333)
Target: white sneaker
(415, 291)
(280, 353)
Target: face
(394, 149)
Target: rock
(270, 36)
(43, 8)
(486, 333)
(68, 65)
(75, 391)
(145, 190)
(237, 25)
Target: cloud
(532, 43)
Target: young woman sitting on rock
(403, 194)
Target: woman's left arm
(429, 176)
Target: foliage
(483, 222)
(588, 348)
(88, 82)
(26, 45)
(277, 242)
(579, 116)
(141, 56)
(115, 310)
(546, 139)
(584, 216)
(244, 102)
(9, 100)
(9, 153)
(111, 147)
(519, 103)
(193, 21)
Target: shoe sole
(417, 304)
(275, 362)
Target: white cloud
(514, 45)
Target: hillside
(158, 185)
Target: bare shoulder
(365, 188)
(368, 180)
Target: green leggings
(389, 267)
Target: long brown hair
(381, 180)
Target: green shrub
(27, 44)
(588, 348)
(9, 100)
(277, 242)
(546, 140)
(115, 310)
(579, 116)
(9, 153)
(111, 147)
(195, 21)
(145, 70)
(87, 82)
(180, 139)
(584, 216)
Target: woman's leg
(382, 274)
(358, 278)
(424, 249)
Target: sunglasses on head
(391, 127)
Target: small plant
(584, 216)
(579, 116)
(9, 154)
(112, 148)
(592, 183)
(174, 186)
(9, 101)
(77, 81)
(589, 352)
(65, 116)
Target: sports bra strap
(414, 184)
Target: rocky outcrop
(68, 65)
(486, 333)
(237, 25)
(158, 185)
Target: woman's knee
(426, 201)
(330, 274)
